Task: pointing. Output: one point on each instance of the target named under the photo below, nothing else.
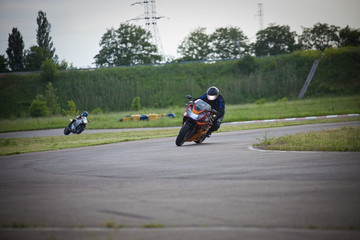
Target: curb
(293, 119)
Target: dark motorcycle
(76, 126)
(197, 120)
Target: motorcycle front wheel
(184, 133)
(67, 131)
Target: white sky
(78, 25)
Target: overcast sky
(78, 25)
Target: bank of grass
(36, 144)
(340, 139)
(279, 109)
(295, 108)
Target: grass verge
(244, 112)
(340, 139)
(36, 144)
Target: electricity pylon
(260, 15)
(150, 16)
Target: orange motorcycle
(197, 120)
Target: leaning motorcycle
(76, 126)
(197, 120)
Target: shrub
(247, 65)
(260, 101)
(282, 100)
(97, 111)
(136, 104)
(72, 109)
(52, 99)
(48, 70)
(38, 108)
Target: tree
(49, 70)
(51, 99)
(72, 109)
(225, 42)
(320, 37)
(63, 65)
(247, 65)
(3, 64)
(43, 36)
(196, 46)
(37, 54)
(274, 40)
(34, 57)
(127, 45)
(15, 51)
(349, 37)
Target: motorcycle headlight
(188, 111)
(194, 116)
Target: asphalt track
(221, 189)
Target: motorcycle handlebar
(214, 111)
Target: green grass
(341, 139)
(21, 225)
(153, 225)
(36, 144)
(296, 108)
(280, 109)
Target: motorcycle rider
(84, 114)
(217, 102)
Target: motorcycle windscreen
(201, 105)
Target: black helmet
(85, 114)
(212, 93)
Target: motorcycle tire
(184, 133)
(80, 129)
(67, 131)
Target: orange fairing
(197, 112)
(202, 123)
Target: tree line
(131, 44)
(273, 40)
(21, 59)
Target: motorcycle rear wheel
(80, 128)
(183, 134)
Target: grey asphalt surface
(220, 189)
(60, 131)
